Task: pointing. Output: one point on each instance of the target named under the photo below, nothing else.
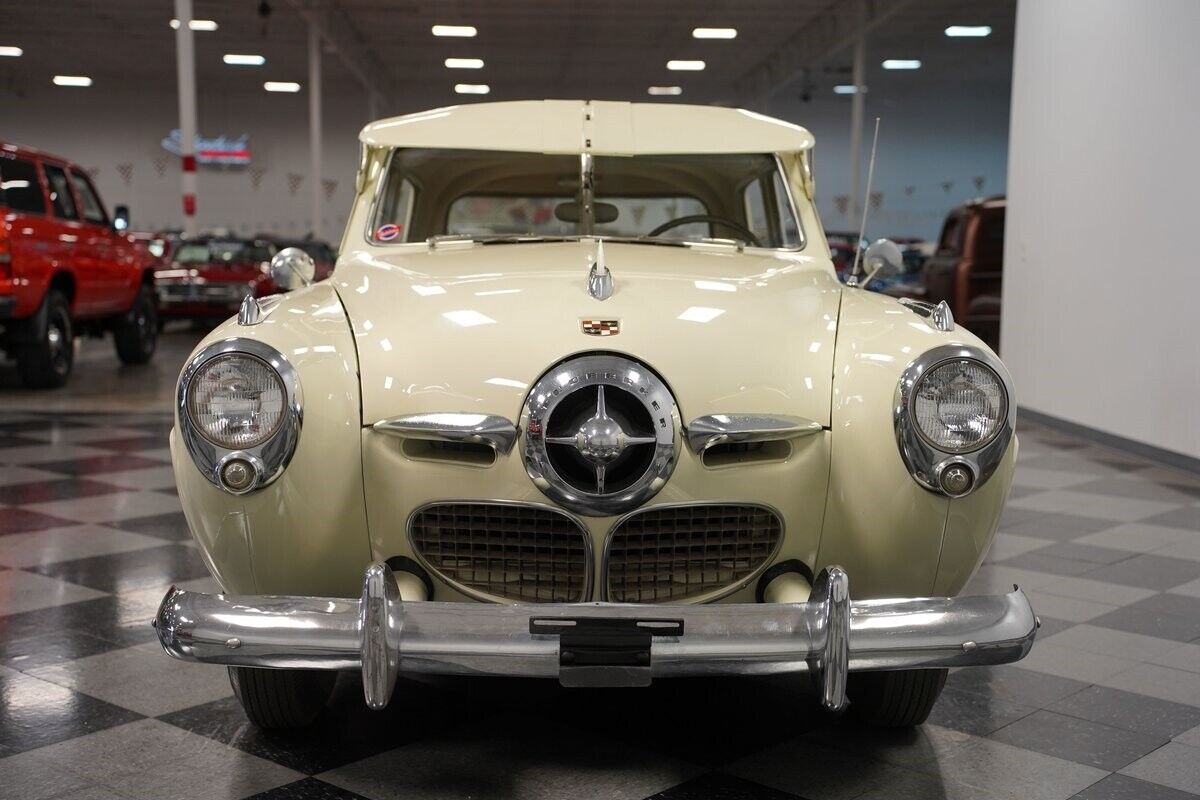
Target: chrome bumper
(595, 644)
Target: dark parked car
(209, 277)
(66, 268)
(967, 268)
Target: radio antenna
(862, 230)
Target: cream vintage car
(584, 399)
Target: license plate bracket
(605, 651)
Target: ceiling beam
(824, 36)
(341, 35)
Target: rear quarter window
(20, 188)
(60, 193)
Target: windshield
(216, 252)
(481, 193)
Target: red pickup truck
(67, 268)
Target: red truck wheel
(136, 331)
(45, 362)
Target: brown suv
(967, 267)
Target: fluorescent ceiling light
(714, 33)
(466, 31)
(244, 60)
(13, 52)
(845, 88)
(665, 90)
(969, 30)
(685, 66)
(197, 24)
(72, 80)
(464, 63)
(902, 63)
(281, 86)
(472, 88)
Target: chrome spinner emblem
(600, 434)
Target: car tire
(895, 698)
(136, 332)
(279, 699)
(45, 362)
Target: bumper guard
(595, 644)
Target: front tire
(136, 332)
(46, 361)
(895, 698)
(280, 699)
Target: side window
(60, 193)
(20, 188)
(756, 210)
(989, 236)
(788, 226)
(93, 209)
(395, 212)
(950, 241)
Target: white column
(856, 129)
(185, 60)
(314, 126)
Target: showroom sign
(222, 150)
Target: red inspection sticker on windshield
(387, 232)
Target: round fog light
(957, 480)
(238, 475)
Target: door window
(61, 198)
(20, 188)
(93, 209)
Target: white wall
(101, 130)
(1100, 288)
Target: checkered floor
(1106, 706)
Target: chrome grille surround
(501, 552)
(688, 551)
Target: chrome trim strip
(498, 433)
(939, 316)
(710, 597)
(787, 187)
(926, 462)
(600, 278)
(268, 458)
(714, 429)
(491, 598)
(382, 635)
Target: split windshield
(218, 252)
(483, 193)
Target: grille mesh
(681, 552)
(519, 553)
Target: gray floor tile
(1123, 787)
(1015, 684)
(65, 544)
(1153, 623)
(1060, 527)
(1136, 487)
(975, 713)
(1091, 638)
(1149, 571)
(1085, 552)
(1055, 565)
(1174, 765)
(1079, 740)
(1133, 712)
(1086, 504)
(1186, 518)
(24, 591)
(1013, 772)
(817, 771)
(1010, 545)
(1068, 608)
(1067, 662)
(1137, 537)
(109, 507)
(1165, 683)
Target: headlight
(236, 401)
(959, 406)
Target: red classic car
(66, 268)
(209, 276)
(967, 268)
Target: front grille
(512, 552)
(202, 292)
(681, 552)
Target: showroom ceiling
(530, 49)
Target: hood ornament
(600, 279)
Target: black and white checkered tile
(1106, 706)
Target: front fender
(307, 531)
(896, 538)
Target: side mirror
(292, 268)
(883, 257)
(120, 219)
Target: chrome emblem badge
(601, 327)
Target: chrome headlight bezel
(927, 462)
(268, 458)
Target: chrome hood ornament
(600, 279)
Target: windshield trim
(382, 179)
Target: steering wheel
(746, 234)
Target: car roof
(31, 152)
(607, 127)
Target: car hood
(470, 327)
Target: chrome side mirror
(292, 268)
(882, 257)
